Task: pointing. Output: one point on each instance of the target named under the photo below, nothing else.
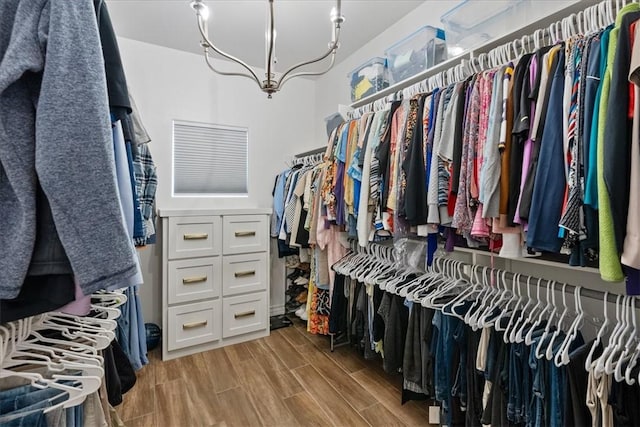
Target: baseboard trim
(276, 310)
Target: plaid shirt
(146, 184)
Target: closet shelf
(575, 7)
(529, 260)
(443, 66)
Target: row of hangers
(588, 21)
(61, 351)
(309, 160)
(517, 305)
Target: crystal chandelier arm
(226, 55)
(332, 49)
(308, 73)
(207, 58)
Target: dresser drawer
(244, 314)
(193, 324)
(194, 236)
(194, 279)
(245, 273)
(244, 233)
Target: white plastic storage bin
(417, 52)
(368, 78)
(472, 23)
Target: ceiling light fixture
(270, 84)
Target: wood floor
(287, 379)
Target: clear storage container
(368, 78)
(415, 53)
(472, 23)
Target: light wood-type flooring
(290, 378)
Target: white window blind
(209, 159)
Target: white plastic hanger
(562, 357)
(510, 307)
(631, 342)
(512, 327)
(549, 352)
(539, 353)
(599, 368)
(528, 340)
(502, 295)
(589, 363)
(527, 315)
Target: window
(209, 159)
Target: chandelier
(270, 84)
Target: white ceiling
(238, 26)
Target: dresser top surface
(212, 212)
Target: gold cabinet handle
(195, 324)
(245, 233)
(193, 280)
(245, 273)
(201, 236)
(245, 314)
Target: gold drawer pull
(201, 236)
(245, 233)
(194, 324)
(245, 273)
(245, 314)
(193, 280)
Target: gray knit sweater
(54, 127)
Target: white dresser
(215, 279)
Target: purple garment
(632, 280)
(81, 306)
(528, 147)
(338, 191)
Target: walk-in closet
(319, 213)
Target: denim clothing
(123, 332)
(16, 391)
(459, 388)
(78, 415)
(539, 384)
(27, 410)
(22, 401)
(519, 383)
(557, 387)
(131, 330)
(33, 418)
(138, 223)
(125, 190)
(141, 332)
(475, 381)
(278, 202)
(450, 341)
(492, 355)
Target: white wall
(169, 84)
(333, 88)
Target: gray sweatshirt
(55, 129)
